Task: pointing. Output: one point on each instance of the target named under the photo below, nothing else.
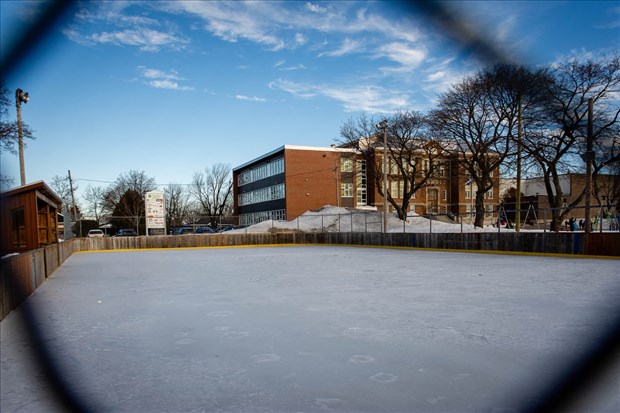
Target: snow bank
(337, 219)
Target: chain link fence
(603, 219)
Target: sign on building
(155, 213)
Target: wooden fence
(535, 242)
(21, 274)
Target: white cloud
(433, 77)
(250, 98)
(145, 39)
(315, 8)
(300, 39)
(363, 98)
(296, 89)
(279, 65)
(348, 46)
(613, 22)
(277, 27)
(294, 67)
(168, 84)
(408, 57)
(159, 74)
(504, 29)
(369, 99)
(579, 55)
(125, 29)
(439, 79)
(233, 21)
(160, 79)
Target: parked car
(226, 228)
(182, 231)
(126, 233)
(95, 233)
(205, 230)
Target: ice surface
(311, 329)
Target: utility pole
(21, 96)
(519, 148)
(73, 200)
(588, 157)
(383, 125)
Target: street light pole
(21, 96)
(383, 125)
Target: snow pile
(337, 219)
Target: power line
(111, 182)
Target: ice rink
(312, 329)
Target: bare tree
(413, 156)
(94, 197)
(124, 199)
(480, 115)
(606, 188)
(177, 205)
(481, 135)
(555, 146)
(6, 182)
(62, 187)
(212, 189)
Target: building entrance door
(432, 201)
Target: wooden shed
(29, 217)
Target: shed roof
(39, 186)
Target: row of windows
(472, 188)
(346, 165)
(360, 180)
(397, 190)
(268, 193)
(264, 171)
(256, 217)
(440, 167)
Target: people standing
(572, 222)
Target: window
(346, 190)
(489, 211)
(445, 195)
(256, 217)
(346, 165)
(489, 194)
(360, 182)
(18, 228)
(394, 189)
(470, 190)
(441, 171)
(268, 193)
(261, 172)
(394, 167)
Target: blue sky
(173, 87)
